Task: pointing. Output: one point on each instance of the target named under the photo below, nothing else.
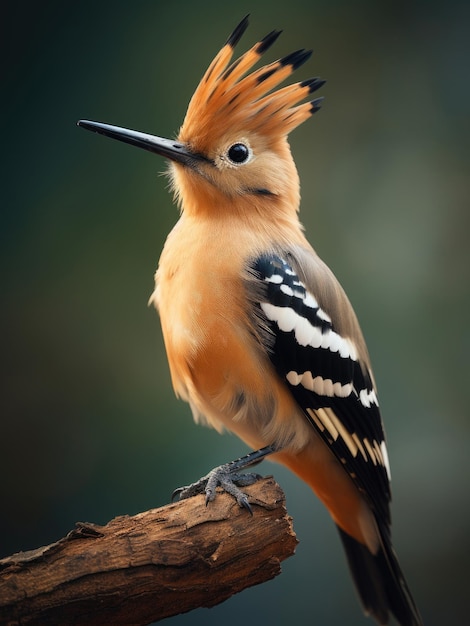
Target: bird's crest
(227, 97)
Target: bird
(261, 339)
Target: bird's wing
(324, 367)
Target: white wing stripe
(383, 448)
(368, 397)
(321, 386)
(305, 333)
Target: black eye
(238, 153)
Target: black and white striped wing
(325, 376)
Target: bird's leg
(228, 477)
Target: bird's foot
(228, 477)
(230, 482)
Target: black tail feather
(380, 582)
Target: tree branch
(140, 569)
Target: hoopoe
(260, 337)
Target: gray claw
(228, 477)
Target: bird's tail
(380, 582)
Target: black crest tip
(238, 32)
(296, 59)
(313, 84)
(268, 41)
(316, 104)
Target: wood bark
(140, 569)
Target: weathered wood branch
(140, 569)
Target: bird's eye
(238, 153)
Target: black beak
(173, 150)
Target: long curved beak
(168, 148)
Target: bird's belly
(221, 368)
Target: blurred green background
(89, 425)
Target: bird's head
(232, 152)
